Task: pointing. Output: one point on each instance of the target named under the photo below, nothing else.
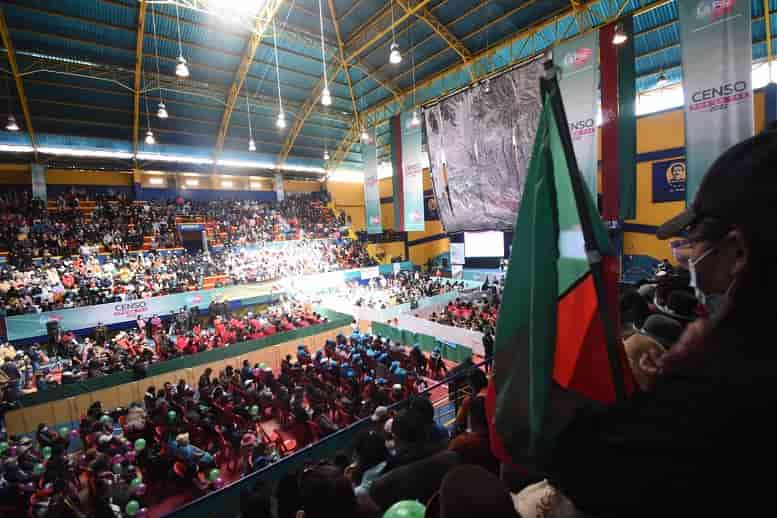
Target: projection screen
(479, 147)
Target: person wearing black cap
(687, 448)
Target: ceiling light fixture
(365, 136)
(619, 37)
(162, 109)
(150, 140)
(326, 96)
(662, 80)
(395, 57)
(181, 70)
(326, 154)
(415, 120)
(487, 86)
(11, 125)
(251, 143)
(281, 122)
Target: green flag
(550, 353)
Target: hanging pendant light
(365, 136)
(326, 96)
(251, 143)
(326, 154)
(415, 120)
(11, 125)
(162, 111)
(662, 80)
(150, 140)
(395, 57)
(281, 122)
(619, 37)
(487, 86)
(181, 70)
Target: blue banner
(669, 179)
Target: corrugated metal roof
(98, 37)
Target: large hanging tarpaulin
(717, 80)
(480, 142)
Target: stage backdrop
(479, 148)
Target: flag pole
(550, 88)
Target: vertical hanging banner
(716, 44)
(277, 184)
(38, 173)
(579, 79)
(413, 162)
(371, 187)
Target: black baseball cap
(740, 186)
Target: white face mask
(694, 283)
(712, 301)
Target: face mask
(712, 302)
(700, 295)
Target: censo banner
(371, 187)
(21, 327)
(413, 162)
(717, 53)
(579, 80)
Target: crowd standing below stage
(394, 289)
(478, 314)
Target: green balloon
(3, 446)
(38, 469)
(405, 509)
(140, 445)
(132, 508)
(117, 468)
(214, 474)
(105, 419)
(255, 410)
(63, 432)
(262, 365)
(46, 451)
(171, 415)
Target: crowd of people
(194, 434)
(479, 313)
(67, 359)
(394, 289)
